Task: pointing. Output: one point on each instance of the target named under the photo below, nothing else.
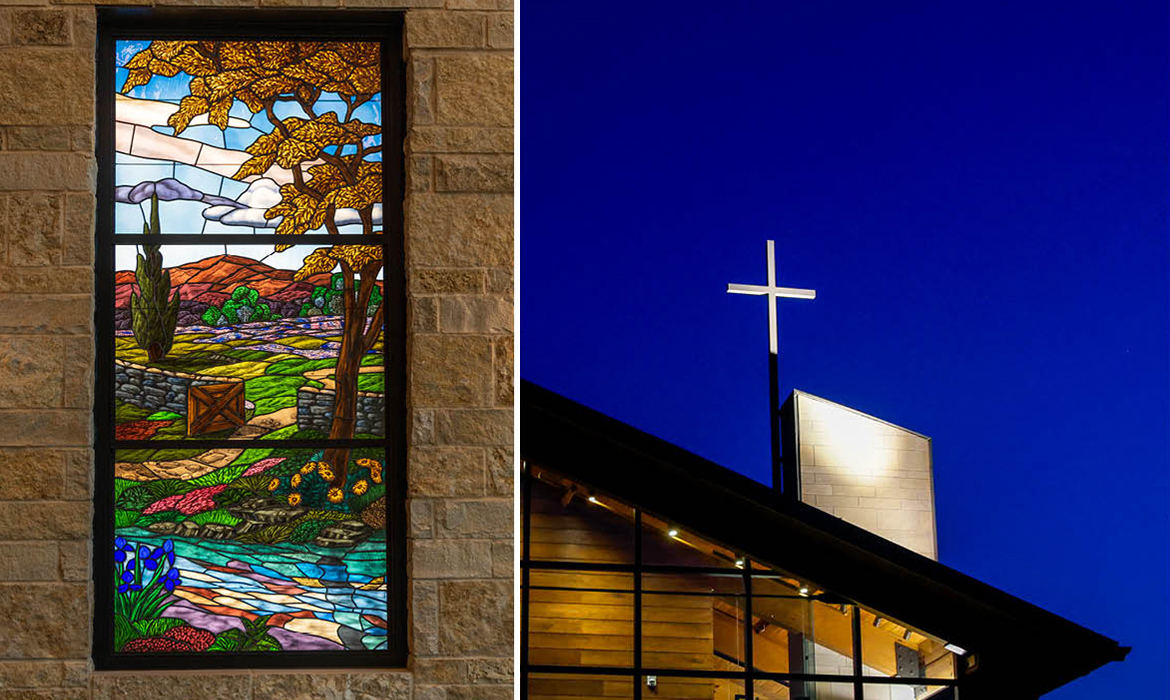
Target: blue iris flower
(169, 548)
(119, 556)
(152, 564)
(129, 587)
(143, 551)
(119, 542)
(128, 576)
(171, 579)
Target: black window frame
(386, 27)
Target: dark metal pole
(774, 419)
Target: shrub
(330, 301)
(243, 307)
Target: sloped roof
(1022, 650)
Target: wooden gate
(214, 407)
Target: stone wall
(459, 253)
(158, 389)
(315, 410)
(871, 473)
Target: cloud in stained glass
(214, 143)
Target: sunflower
(376, 476)
(273, 484)
(361, 486)
(295, 481)
(326, 474)
(309, 468)
(364, 462)
(335, 495)
(294, 499)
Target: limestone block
(33, 228)
(480, 518)
(31, 473)
(77, 237)
(474, 89)
(31, 366)
(77, 365)
(200, 686)
(450, 371)
(500, 281)
(442, 671)
(420, 76)
(394, 4)
(476, 618)
(418, 175)
(45, 621)
(314, 685)
(447, 281)
(503, 559)
(424, 618)
(502, 359)
(42, 520)
(500, 471)
(424, 314)
(47, 27)
(501, 31)
(379, 686)
(449, 558)
(47, 86)
(459, 230)
(459, 139)
(28, 561)
(30, 674)
(423, 428)
(474, 427)
(479, 692)
(47, 280)
(474, 173)
(464, 314)
(37, 138)
(75, 560)
(300, 3)
(445, 472)
(22, 427)
(439, 29)
(490, 670)
(422, 518)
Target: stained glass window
(250, 406)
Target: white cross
(772, 292)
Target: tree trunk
(349, 361)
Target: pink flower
(263, 464)
(190, 503)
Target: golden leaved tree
(325, 179)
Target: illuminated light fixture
(955, 649)
(877, 621)
(739, 563)
(906, 636)
(593, 499)
(673, 532)
(804, 590)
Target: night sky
(977, 192)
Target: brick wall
(871, 473)
(459, 276)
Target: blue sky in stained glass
(187, 216)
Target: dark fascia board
(747, 516)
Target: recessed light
(672, 532)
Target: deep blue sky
(978, 193)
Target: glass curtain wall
(621, 603)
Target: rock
(216, 531)
(164, 527)
(265, 511)
(345, 533)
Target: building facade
(649, 572)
